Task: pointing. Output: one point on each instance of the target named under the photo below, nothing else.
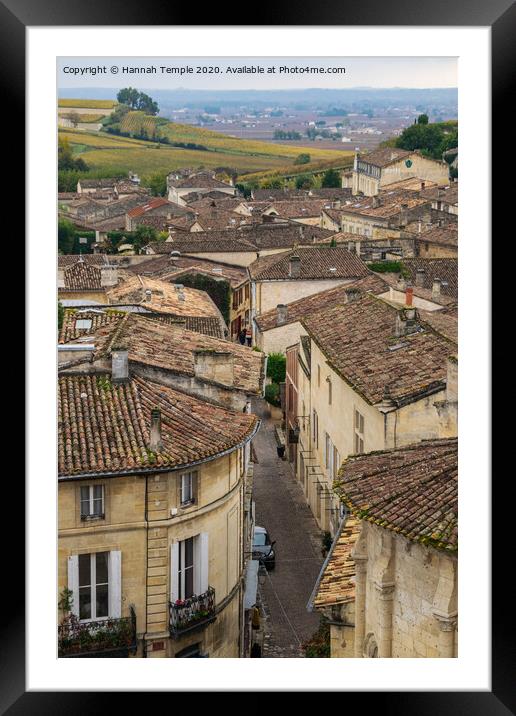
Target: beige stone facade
(405, 604)
(144, 522)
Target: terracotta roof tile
(411, 491)
(104, 429)
(360, 343)
(315, 263)
(82, 276)
(171, 347)
(337, 585)
(303, 307)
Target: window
(329, 390)
(185, 569)
(315, 426)
(359, 433)
(93, 586)
(188, 488)
(336, 462)
(83, 323)
(189, 567)
(318, 376)
(328, 453)
(92, 501)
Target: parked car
(263, 548)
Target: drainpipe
(146, 519)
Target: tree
(157, 183)
(304, 181)
(65, 236)
(276, 367)
(74, 118)
(65, 159)
(331, 179)
(144, 235)
(428, 138)
(422, 119)
(137, 100)
(302, 159)
(60, 315)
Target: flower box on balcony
(192, 613)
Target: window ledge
(92, 518)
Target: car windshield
(260, 539)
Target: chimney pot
(420, 277)
(282, 313)
(155, 442)
(436, 288)
(294, 266)
(119, 366)
(409, 293)
(148, 294)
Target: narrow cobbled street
(282, 510)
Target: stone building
(152, 518)
(389, 585)
(303, 271)
(85, 279)
(201, 183)
(376, 169)
(220, 371)
(372, 375)
(279, 328)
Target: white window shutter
(73, 581)
(203, 562)
(174, 574)
(115, 584)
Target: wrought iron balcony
(94, 639)
(189, 614)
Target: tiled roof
(102, 316)
(165, 298)
(410, 184)
(69, 330)
(296, 310)
(172, 347)
(300, 208)
(104, 429)
(229, 241)
(167, 268)
(445, 269)
(337, 585)
(278, 194)
(360, 343)
(64, 260)
(243, 239)
(315, 263)
(82, 276)
(383, 157)
(411, 491)
(99, 183)
(448, 194)
(390, 203)
(200, 180)
(445, 322)
(446, 235)
(155, 203)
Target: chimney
(215, 366)
(109, 275)
(422, 185)
(120, 365)
(436, 288)
(155, 443)
(352, 294)
(294, 266)
(336, 204)
(148, 295)
(409, 293)
(406, 321)
(403, 215)
(420, 278)
(302, 231)
(376, 201)
(282, 313)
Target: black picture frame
(500, 15)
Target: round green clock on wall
(408, 163)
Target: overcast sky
(418, 72)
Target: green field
(114, 154)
